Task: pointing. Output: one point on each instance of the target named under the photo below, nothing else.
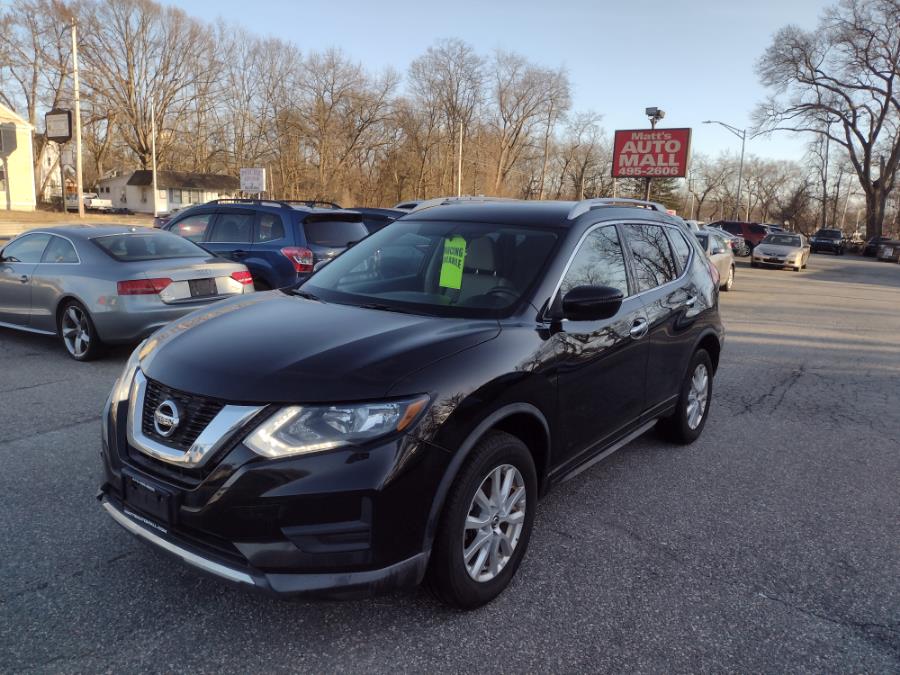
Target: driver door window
(599, 262)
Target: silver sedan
(781, 250)
(96, 285)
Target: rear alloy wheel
(729, 282)
(686, 424)
(486, 523)
(77, 332)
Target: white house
(16, 162)
(175, 189)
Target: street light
(655, 114)
(742, 134)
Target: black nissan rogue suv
(399, 415)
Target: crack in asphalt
(785, 384)
(30, 386)
(40, 586)
(865, 628)
(76, 423)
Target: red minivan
(753, 233)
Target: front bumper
(403, 574)
(773, 261)
(343, 523)
(828, 246)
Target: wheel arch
(522, 420)
(61, 303)
(710, 342)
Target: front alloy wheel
(494, 524)
(485, 524)
(729, 283)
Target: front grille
(196, 413)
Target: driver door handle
(639, 329)
(24, 278)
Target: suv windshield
(438, 268)
(157, 245)
(829, 234)
(782, 240)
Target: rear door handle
(639, 329)
(24, 278)
(238, 254)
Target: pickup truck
(91, 202)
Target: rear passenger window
(232, 228)
(193, 227)
(758, 229)
(270, 228)
(654, 264)
(681, 247)
(599, 262)
(59, 250)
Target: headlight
(296, 430)
(122, 387)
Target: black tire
(75, 326)
(448, 577)
(676, 427)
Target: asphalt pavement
(770, 544)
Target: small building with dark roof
(175, 189)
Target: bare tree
(841, 81)
(137, 54)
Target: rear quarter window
(334, 233)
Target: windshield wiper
(305, 294)
(384, 308)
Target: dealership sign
(650, 153)
(253, 180)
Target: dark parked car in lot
(375, 219)
(280, 242)
(98, 285)
(389, 421)
(752, 233)
(873, 244)
(827, 240)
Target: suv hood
(279, 348)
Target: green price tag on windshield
(452, 263)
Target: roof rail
(445, 201)
(283, 203)
(586, 205)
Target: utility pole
(825, 177)
(77, 99)
(459, 163)
(153, 152)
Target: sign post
(253, 181)
(58, 125)
(651, 153)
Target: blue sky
(694, 58)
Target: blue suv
(279, 241)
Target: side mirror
(319, 265)
(590, 303)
